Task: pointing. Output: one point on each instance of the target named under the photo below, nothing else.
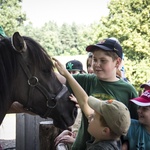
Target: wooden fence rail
(47, 134)
(34, 133)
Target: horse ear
(18, 43)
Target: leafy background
(128, 21)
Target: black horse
(27, 76)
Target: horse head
(30, 79)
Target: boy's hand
(73, 98)
(65, 137)
(62, 70)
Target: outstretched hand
(60, 67)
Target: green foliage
(137, 73)
(62, 40)
(129, 21)
(57, 40)
(11, 15)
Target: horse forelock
(39, 55)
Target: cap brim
(140, 101)
(94, 103)
(91, 48)
(143, 85)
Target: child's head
(107, 57)
(143, 103)
(146, 86)
(108, 44)
(111, 114)
(89, 63)
(74, 67)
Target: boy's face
(144, 115)
(104, 66)
(95, 127)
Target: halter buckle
(33, 81)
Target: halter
(33, 82)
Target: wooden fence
(28, 136)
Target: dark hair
(90, 56)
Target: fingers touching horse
(27, 76)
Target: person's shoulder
(135, 129)
(105, 145)
(85, 76)
(134, 124)
(122, 81)
(126, 84)
(127, 88)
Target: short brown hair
(112, 54)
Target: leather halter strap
(33, 82)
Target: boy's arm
(78, 91)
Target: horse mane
(9, 64)
(8, 68)
(39, 55)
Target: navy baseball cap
(108, 45)
(74, 65)
(2, 33)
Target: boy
(103, 84)
(139, 132)
(108, 120)
(75, 67)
